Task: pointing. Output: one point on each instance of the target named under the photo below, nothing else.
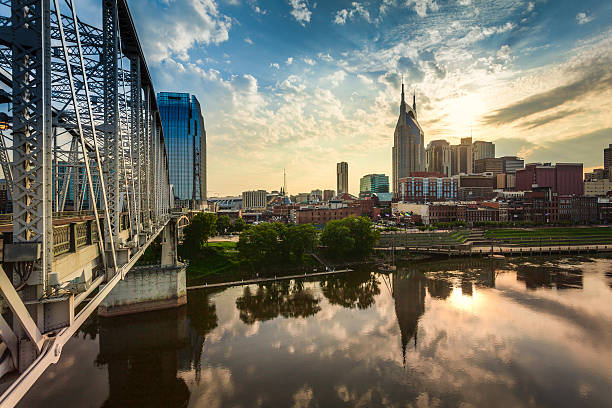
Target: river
(476, 332)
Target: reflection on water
(140, 353)
(475, 332)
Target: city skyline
(303, 85)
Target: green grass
(216, 258)
(550, 232)
(554, 236)
(424, 238)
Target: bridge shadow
(141, 353)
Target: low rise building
(428, 189)
(227, 203)
(476, 187)
(320, 216)
(421, 210)
(255, 200)
(597, 187)
(443, 212)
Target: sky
(304, 84)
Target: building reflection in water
(141, 354)
(537, 276)
(408, 291)
(409, 286)
(202, 319)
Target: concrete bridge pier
(150, 287)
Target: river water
(477, 332)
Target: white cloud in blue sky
(302, 84)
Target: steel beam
(19, 310)
(112, 148)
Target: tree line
(276, 244)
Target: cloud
(577, 149)
(391, 78)
(325, 57)
(274, 65)
(248, 41)
(364, 79)
(411, 68)
(357, 10)
(583, 18)
(179, 26)
(596, 79)
(309, 61)
(531, 124)
(299, 10)
(289, 61)
(336, 78)
(341, 16)
(385, 5)
(421, 6)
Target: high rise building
(608, 160)
(374, 183)
(489, 165)
(328, 195)
(512, 163)
(483, 150)
(438, 157)
(342, 177)
(462, 157)
(185, 138)
(408, 143)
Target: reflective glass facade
(374, 183)
(408, 144)
(185, 137)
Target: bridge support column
(169, 255)
(145, 289)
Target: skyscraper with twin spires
(408, 144)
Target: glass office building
(185, 137)
(374, 183)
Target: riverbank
(220, 262)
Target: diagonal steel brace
(19, 310)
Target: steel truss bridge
(81, 132)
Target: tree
(301, 239)
(239, 225)
(355, 290)
(197, 233)
(350, 237)
(337, 238)
(363, 233)
(275, 243)
(223, 224)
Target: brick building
(324, 215)
(562, 179)
(428, 189)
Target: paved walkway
(506, 250)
